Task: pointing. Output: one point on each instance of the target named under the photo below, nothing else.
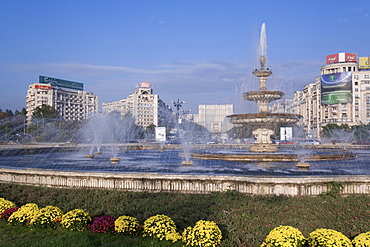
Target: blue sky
(199, 51)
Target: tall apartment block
(68, 97)
(145, 107)
(340, 95)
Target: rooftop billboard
(145, 84)
(341, 57)
(363, 63)
(336, 88)
(61, 83)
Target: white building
(65, 96)
(213, 117)
(145, 107)
(340, 95)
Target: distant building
(68, 97)
(282, 106)
(145, 107)
(213, 117)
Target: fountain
(121, 164)
(263, 122)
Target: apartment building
(145, 107)
(340, 95)
(68, 97)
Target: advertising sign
(336, 88)
(347, 57)
(341, 57)
(42, 87)
(332, 58)
(160, 134)
(61, 83)
(363, 63)
(145, 84)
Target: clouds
(196, 82)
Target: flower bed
(162, 227)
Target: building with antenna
(145, 106)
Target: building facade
(68, 97)
(214, 118)
(341, 95)
(145, 107)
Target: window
(366, 76)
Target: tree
(45, 111)
(10, 113)
(24, 111)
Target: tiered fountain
(263, 122)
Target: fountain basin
(273, 157)
(270, 118)
(262, 73)
(263, 96)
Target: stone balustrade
(199, 184)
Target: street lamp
(177, 104)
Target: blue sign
(61, 83)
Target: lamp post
(178, 104)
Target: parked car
(309, 142)
(284, 142)
(362, 142)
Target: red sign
(341, 57)
(350, 57)
(42, 87)
(145, 84)
(332, 58)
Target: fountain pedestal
(89, 156)
(263, 142)
(115, 160)
(263, 148)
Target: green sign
(61, 83)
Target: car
(362, 142)
(284, 142)
(309, 142)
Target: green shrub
(334, 189)
(328, 238)
(362, 240)
(161, 227)
(126, 224)
(76, 220)
(24, 215)
(5, 204)
(47, 217)
(204, 233)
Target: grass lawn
(244, 220)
